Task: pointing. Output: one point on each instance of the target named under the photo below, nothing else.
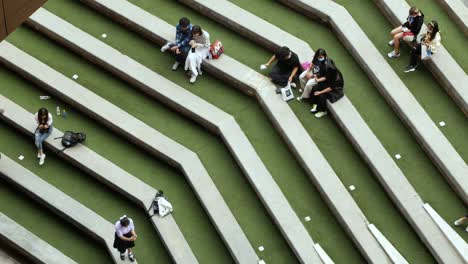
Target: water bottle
(58, 110)
(64, 114)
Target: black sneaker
(131, 257)
(122, 256)
(278, 90)
(410, 68)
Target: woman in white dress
(200, 50)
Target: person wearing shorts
(408, 31)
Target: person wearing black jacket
(286, 70)
(331, 90)
(408, 31)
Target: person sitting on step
(286, 70)
(124, 237)
(315, 74)
(180, 46)
(408, 31)
(331, 90)
(200, 50)
(430, 41)
(43, 130)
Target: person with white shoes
(124, 237)
(430, 41)
(43, 130)
(180, 46)
(315, 74)
(286, 70)
(331, 91)
(408, 31)
(461, 221)
(200, 50)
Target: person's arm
(272, 59)
(294, 71)
(415, 28)
(321, 79)
(49, 120)
(185, 40)
(326, 90)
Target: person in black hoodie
(286, 70)
(408, 31)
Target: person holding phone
(43, 130)
(408, 31)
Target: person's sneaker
(410, 68)
(175, 66)
(300, 90)
(299, 98)
(391, 43)
(314, 108)
(278, 90)
(293, 85)
(200, 72)
(193, 78)
(38, 155)
(122, 256)
(41, 159)
(131, 257)
(393, 54)
(459, 221)
(165, 47)
(320, 114)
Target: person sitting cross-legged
(286, 70)
(180, 46)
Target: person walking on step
(180, 46)
(408, 31)
(200, 50)
(315, 74)
(461, 221)
(286, 70)
(331, 90)
(430, 41)
(43, 130)
(125, 236)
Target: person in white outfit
(200, 50)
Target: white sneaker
(300, 90)
(299, 98)
(166, 47)
(391, 43)
(320, 114)
(393, 54)
(293, 85)
(193, 78)
(175, 66)
(459, 221)
(38, 155)
(314, 108)
(200, 72)
(41, 159)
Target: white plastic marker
(75, 76)
(441, 123)
(261, 248)
(104, 35)
(21, 157)
(261, 261)
(307, 218)
(44, 97)
(263, 67)
(352, 188)
(398, 156)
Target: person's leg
(191, 65)
(396, 39)
(131, 256)
(461, 221)
(303, 79)
(396, 31)
(308, 88)
(413, 59)
(38, 143)
(42, 137)
(321, 106)
(278, 77)
(168, 45)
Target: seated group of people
(191, 46)
(409, 31)
(320, 80)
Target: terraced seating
(104, 171)
(28, 244)
(457, 11)
(393, 89)
(364, 140)
(211, 117)
(77, 214)
(142, 135)
(452, 77)
(287, 123)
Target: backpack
(70, 139)
(216, 49)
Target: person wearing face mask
(431, 40)
(315, 74)
(285, 70)
(408, 31)
(331, 90)
(180, 46)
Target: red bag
(216, 49)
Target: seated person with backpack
(430, 42)
(331, 90)
(180, 47)
(43, 130)
(285, 70)
(408, 31)
(200, 49)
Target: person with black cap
(125, 237)
(286, 70)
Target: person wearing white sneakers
(332, 91)
(286, 70)
(430, 41)
(124, 237)
(461, 221)
(180, 46)
(315, 74)
(408, 31)
(44, 129)
(200, 50)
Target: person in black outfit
(331, 89)
(315, 74)
(408, 31)
(286, 70)
(431, 41)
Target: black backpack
(70, 139)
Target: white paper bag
(287, 93)
(164, 206)
(425, 53)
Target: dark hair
(184, 22)
(196, 30)
(42, 112)
(319, 52)
(413, 10)
(124, 222)
(283, 52)
(435, 29)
